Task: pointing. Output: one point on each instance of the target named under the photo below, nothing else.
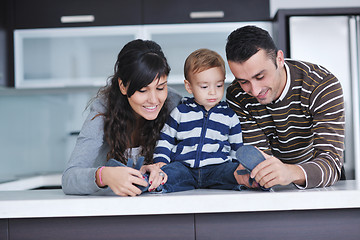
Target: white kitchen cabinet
(67, 57)
(51, 16)
(179, 40)
(85, 56)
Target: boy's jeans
(182, 177)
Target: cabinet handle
(74, 133)
(210, 14)
(77, 19)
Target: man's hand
(273, 172)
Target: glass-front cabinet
(85, 56)
(67, 57)
(179, 40)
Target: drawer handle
(210, 14)
(77, 19)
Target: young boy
(200, 139)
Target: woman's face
(148, 101)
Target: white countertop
(31, 182)
(54, 203)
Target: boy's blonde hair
(201, 60)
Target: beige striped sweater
(306, 127)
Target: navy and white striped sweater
(198, 137)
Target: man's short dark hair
(244, 42)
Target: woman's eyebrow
(162, 83)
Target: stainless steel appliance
(333, 42)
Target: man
(291, 110)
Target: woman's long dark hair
(137, 65)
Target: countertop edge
(53, 203)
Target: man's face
(259, 77)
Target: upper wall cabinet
(66, 43)
(201, 11)
(79, 13)
(68, 57)
(179, 40)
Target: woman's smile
(151, 108)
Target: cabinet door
(66, 57)
(4, 229)
(179, 40)
(274, 225)
(200, 11)
(69, 13)
(159, 227)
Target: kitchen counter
(40, 203)
(284, 213)
(31, 182)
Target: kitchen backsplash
(36, 127)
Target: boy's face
(207, 87)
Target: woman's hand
(121, 180)
(156, 175)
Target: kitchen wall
(36, 127)
(36, 124)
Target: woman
(124, 123)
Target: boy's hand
(156, 175)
